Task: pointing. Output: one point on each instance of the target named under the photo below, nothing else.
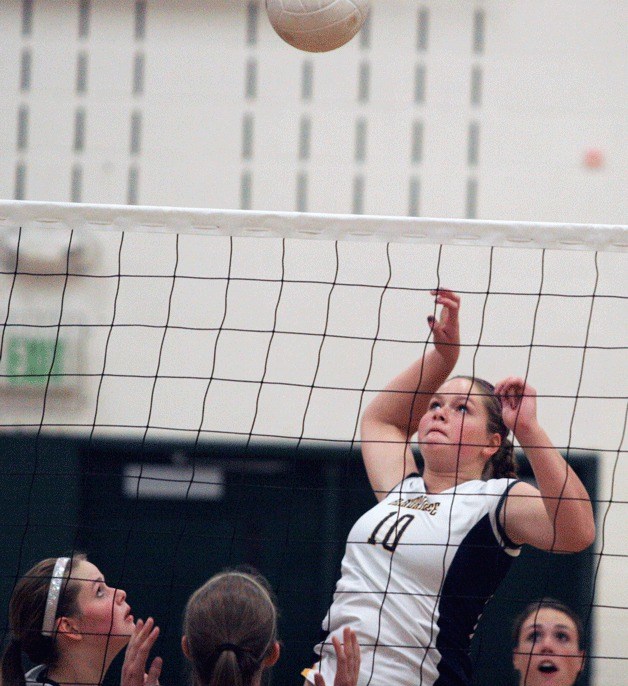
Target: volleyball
(317, 25)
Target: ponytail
(230, 625)
(12, 670)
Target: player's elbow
(579, 539)
(587, 537)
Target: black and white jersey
(417, 572)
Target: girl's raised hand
(518, 401)
(347, 660)
(445, 328)
(133, 670)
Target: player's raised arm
(558, 516)
(392, 418)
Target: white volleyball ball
(317, 25)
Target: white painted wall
(551, 89)
(550, 75)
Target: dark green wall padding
(286, 510)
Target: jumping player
(420, 565)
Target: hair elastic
(54, 591)
(229, 646)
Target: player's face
(455, 426)
(105, 616)
(547, 652)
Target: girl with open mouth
(548, 644)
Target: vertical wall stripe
(246, 190)
(305, 134)
(414, 197)
(27, 17)
(358, 195)
(476, 85)
(137, 86)
(84, 16)
(360, 140)
(473, 144)
(416, 153)
(478, 31)
(472, 198)
(250, 85)
(22, 128)
(79, 130)
(302, 192)
(307, 80)
(247, 136)
(26, 63)
(20, 182)
(132, 189)
(81, 72)
(136, 133)
(140, 20)
(423, 17)
(252, 16)
(138, 73)
(364, 82)
(365, 32)
(419, 84)
(76, 183)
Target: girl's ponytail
(12, 669)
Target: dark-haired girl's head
(548, 638)
(463, 426)
(35, 592)
(61, 611)
(230, 630)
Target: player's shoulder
(500, 486)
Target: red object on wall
(593, 158)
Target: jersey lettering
(395, 531)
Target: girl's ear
(273, 656)
(184, 647)
(492, 446)
(67, 628)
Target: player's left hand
(446, 328)
(143, 639)
(518, 400)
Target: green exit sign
(32, 361)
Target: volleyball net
(181, 389)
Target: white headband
(54, 591)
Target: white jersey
(417, 572)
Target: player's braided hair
(503, 464)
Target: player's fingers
(340, 651)
(352, 651)
(445, 292)
(318, 680)
(152, 678)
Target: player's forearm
(565, 498)
(405, 399)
